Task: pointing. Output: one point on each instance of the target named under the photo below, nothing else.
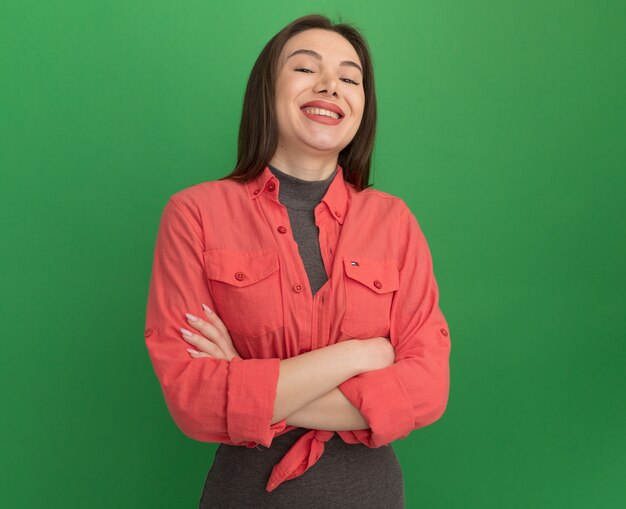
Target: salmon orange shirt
(229, 245)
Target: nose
(327, 83)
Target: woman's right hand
(213, 338)
(378, 353)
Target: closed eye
(347, 80)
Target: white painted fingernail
(207, 308)
(191, 317)
(186, 332)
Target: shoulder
(206, 201)
(379, 201)
(212, 189)
(207, 194)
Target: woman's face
(325, 67)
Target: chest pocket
(369, 287)
(246, 291)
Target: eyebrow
(315, 54)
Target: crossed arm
(307, 394)
(332, 411)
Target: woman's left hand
(214, 340)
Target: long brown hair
(258, 130)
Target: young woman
(293, 311)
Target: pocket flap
(380, 276)
(240, 268)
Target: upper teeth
(320, 111)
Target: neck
(303, 167)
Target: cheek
(358, 115)
(362, 103)
(285, 99)
(358, 105)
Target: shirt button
(377, 283)
(239, 276)
(147, 332)
(337, 213)
(257, 191)
(282, 229)
(297, 288)
(444, 332)
(270, 187)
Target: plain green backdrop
(502, 125)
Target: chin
(325, 148)
(322, 142)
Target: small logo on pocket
(354, 263)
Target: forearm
(332, 411)
(306, 377)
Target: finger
(201, 343)
(227, 344)
(215, 320)
(196, 354)
(206, 328)
(211, 332)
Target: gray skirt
(346, 476)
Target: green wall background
(501, 124)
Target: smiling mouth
(321, 112)
(321, 117)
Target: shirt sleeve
(210, 400)
(412, 392)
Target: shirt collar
(336, 197)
